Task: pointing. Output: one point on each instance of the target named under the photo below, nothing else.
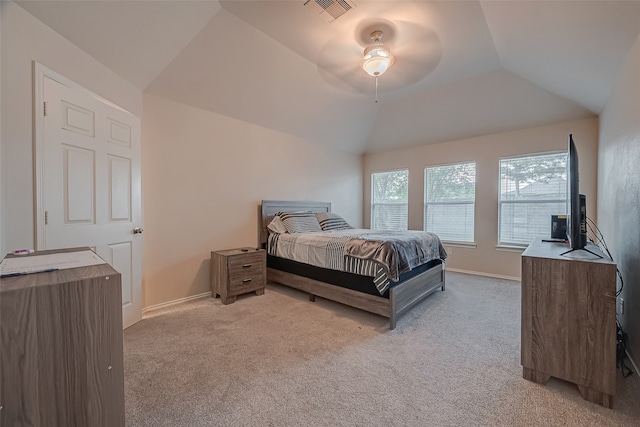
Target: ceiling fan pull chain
(376, 89)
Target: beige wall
(24, 40)
(203, 174)
(619, 189)
(486, 151)
(203, 177)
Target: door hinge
(46, 217)
(45, 108)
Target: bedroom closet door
(88, 181)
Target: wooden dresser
(61, 362)
(569, 319)
(238, 271)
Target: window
(449, 201)
(532, 189)
(389, 200)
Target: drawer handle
(246, 266)
(246, 280)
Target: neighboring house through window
(389, 200)
(532, 188)
(449, 201)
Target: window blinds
(532, 188)
(389, 200)
(449, 209)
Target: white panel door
(90, 183)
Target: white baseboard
(478, 273)
(162, 305)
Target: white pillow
(277, 226)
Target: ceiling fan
(377, 56)
(399, 53)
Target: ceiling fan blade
(340, 59)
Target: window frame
(471, 242)
(373, 202)
(521, 245)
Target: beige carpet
(280, 360)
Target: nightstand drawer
(239, 274)
(243, 263)
(246, 283)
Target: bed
(345, 287)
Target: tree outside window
(532, 188)
(450, 193)
(389, 200)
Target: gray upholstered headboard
(269, 208)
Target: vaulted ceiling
(462, 68)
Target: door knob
(137, 230)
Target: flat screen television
(576, 202)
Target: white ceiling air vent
(330, 9)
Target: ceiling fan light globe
(376, 66)
(377, 59)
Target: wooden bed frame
(402, 297)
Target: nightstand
(238, 271)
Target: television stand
(568, 325)
(581, 249)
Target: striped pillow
(300, 222)
(330, 221)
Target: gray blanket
(400, 251)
